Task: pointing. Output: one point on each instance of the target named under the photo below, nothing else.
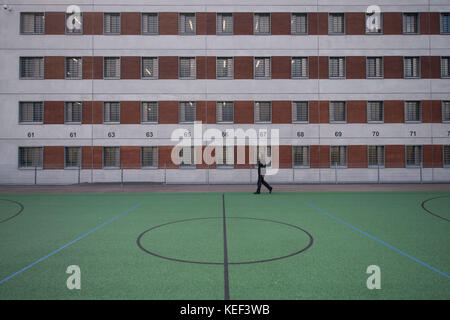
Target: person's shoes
(270, 190)
(256, 192)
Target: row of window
(33, 112)
(33, 67)
(33, 23)
(32, 157)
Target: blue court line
(70, 243)
(380, 241)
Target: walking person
(261, 173)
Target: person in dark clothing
(261, 173)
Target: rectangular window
(224, 68)
(338, 156)
(72, 112)
(72, 157)
(32, 67)
(445, 67)
(375, 155)
(150, 112)
(299, 67)
(261, 23)
(187, 23)
(410, 23)
(111, 23)
(31, 112)
(300, 111)
(338, 111)
(264, 154)
(111, 157)
(299, 23)
(111, 112)
(149, 157)
(187, 68)
(187, 111)
(224, 23)
(337, 67)
(186, 156)
(445, 111)
(413, 111)
(149, 68)
(32, 23)
(413, 156)
(445, 22)
(224, 112)
(300, 156)
(149, 23)
(412, 67)
(336, 23)
(262, 68)
(75, 22)
(375, 67)
(74, 68)
(30, 157)
(111, 67)
(375, 111)
(373, 23)
(263, 111)
(446, 152)
(225, 156)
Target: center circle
(10, 208)
(244, 243)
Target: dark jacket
(260, 165)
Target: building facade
(342, 92)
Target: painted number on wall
(73, 134)
(412, 133)
(338, 134)
(30, 134)
(375, 133)
(300, 134)
(149, 134)
(111, 134)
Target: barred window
(445, 22)
(111, 157)
(413, 111)
(262, 23)
(412, 67)
(338, 156)
(111, 67)
(149, 23)
(299, 23)
(72, 157)
(338, 111)
(336, 23)
(264, 154)
(375, 155)
(374, 67)
(224, 111)
(150, 111)
(263, 111)
(337, 67)
(299, 67)
(30, 157)
(410, 23)
(187, 23)
(187, 111)
(300, 111)
(413, 156)
(446, 152)
(186, 155)
(224, 23)
(224, 156)
(224, 68)
(74, 68)
(445, 110)
(32, 23)
(187, 68)
(32, 67)
(111, 23)
(111, 112)
(72, 112)
(375, 111)
(300, 156)
(31, 112)
(149, 68)
(445, 67)
(373, 24)
(262, 68)
(75, 22)
(149, 157)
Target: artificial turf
(350, 231)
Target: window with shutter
(149, 157)
(336, 23)
(187, 111)
(262, 68)
(445, 67)
(338, 156)
(338, 111)
(224, 112)
(72, 157)
(446, 154)
(300, 156)
(32, 23)
(445, 22)
(337, 67)
(299, 23)
(224, 68)
(187, 23)
(111, 112)
(30, 157)
(445, 110)
(374, 67)
(31, 112)
(300, 111)
(299, 67)
(224, 23)
(111, 23)
(263, 111)
(74, 68)
(262, 23)
(187, 68)
(150, 68)
(413, 111)
(111, 157)
(410, 23)
(412, 67)
(375, 155)
(413, 156)
(72, 112)
(32, 67)
(375, 111)
(149, 23)
(111, 67)
(149, 112)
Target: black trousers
(262, 181)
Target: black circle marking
(310, 243)
(432, 213)
(17, 213)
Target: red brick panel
(355, 23)
(130, 23)
(55, 23)
(393, 67)
(313, 62)
(54, 112)
(323, 68)
(244, 112)
(211, 112)
(356, 111)
(432, 156)
(165, 158)
(54, 157)
(168, 23)
(92, 112)
(243, 23)
(130, 157)
(319, 156)
(357, 156)
(431, 111)
(130, 68)
(394, 111)
(324, 112)
(93, 23)
(429, 23)
(281, 67)
(430, 67)
(130, 112)
(168, 67)
(92, 157)
(54, 67)
(168, 112)
(318, 23)
(201, 111)
(243, 67)
(206, 23)
(395, 156)
(284, 156)
(206, 67)
(313, 111)
(356, 67)
(281, 23)
(392, 23)
(92, 67)
(281, 112)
